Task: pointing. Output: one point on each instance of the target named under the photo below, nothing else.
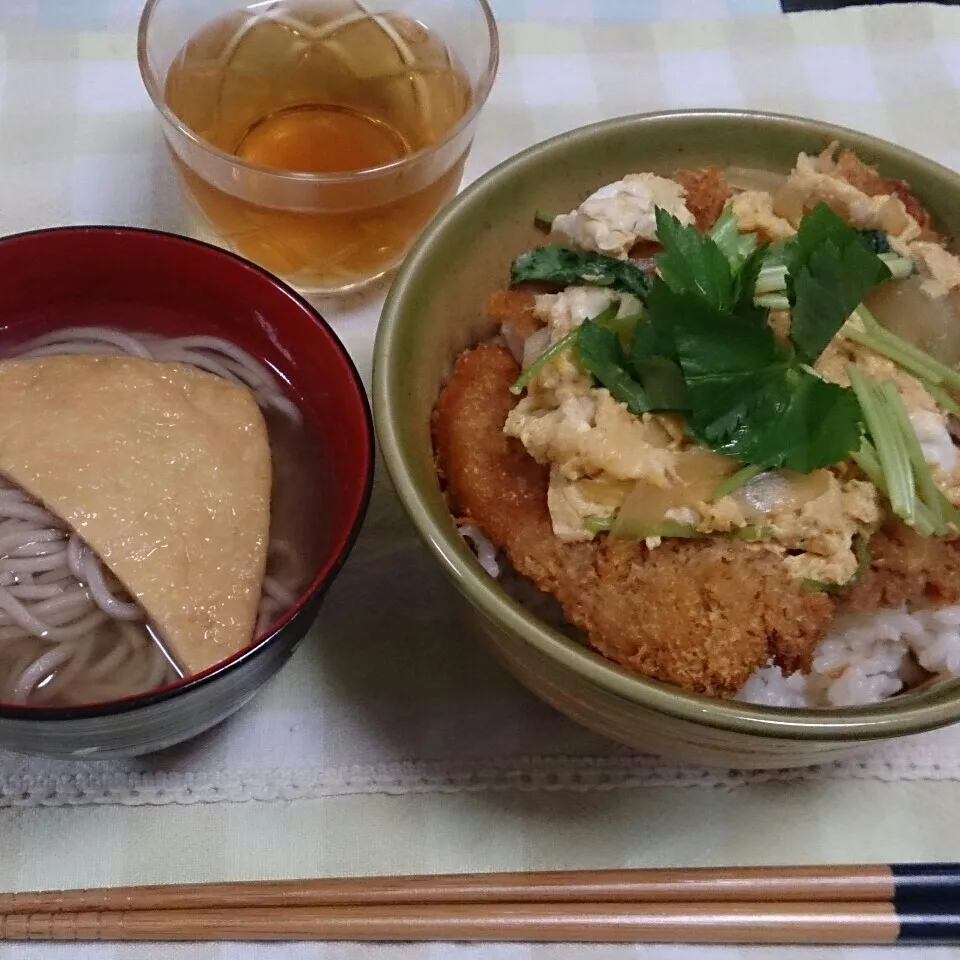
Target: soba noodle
(69, 634)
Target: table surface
(71, 106)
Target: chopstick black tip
(920, 884)
(930, 925)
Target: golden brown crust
(907, 568)
(490, 476)
(645, 250)
(515, 306)
(699, 615)
(869, 181)
(707, 192)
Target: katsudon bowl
(163, 297)
(436, 309)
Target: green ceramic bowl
(436, 308)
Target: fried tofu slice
(700, 615)
(164, 471)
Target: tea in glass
(318, 137)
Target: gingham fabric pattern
(78, 143)
(412, 762)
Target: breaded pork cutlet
(698, 615)
(869, 180)
(906, 568)
(707, 191)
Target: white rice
(865, 658)
(483, 547)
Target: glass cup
(318, 137)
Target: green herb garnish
(566, 342)
(751, 397)
(600, 353)
(829, 272)
(703, 346)
(772, 280)
(943, 399)
(891, 452)
(663, 528)
(555, 348)
(544, 219)
(694, 264)
(876, 337)
(623, 326)
(596, 524)
(820, 586)
(670, 528)
(876, 241)
(893, 459)
(736, 480)
(564, 267)
(735, 246)
(663, 382)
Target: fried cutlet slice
(869, 181)
(707, 192)
(907, 568)
(701, 615)
(515, 307)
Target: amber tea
(319, 88)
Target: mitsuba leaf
(599, 352)
(692, 263)
(712, 344)
(563, 267)
(749, 399)
(652, 337)
(735, 246)
(807, 423)
(703, 348)
(829, 272)
(652, 360)
(664, 385)
(876, 241)
(745, 283)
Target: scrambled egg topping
(580, 429)
(599, 452)
(614, 218)
(941, 266)
(819, 179)
(755, 214)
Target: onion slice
(644, 511)
(753, 178)
(930, 323)
(780, 491)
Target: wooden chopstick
(899, 883)
(771, 923)
(865, 904)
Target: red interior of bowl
(141, 280)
